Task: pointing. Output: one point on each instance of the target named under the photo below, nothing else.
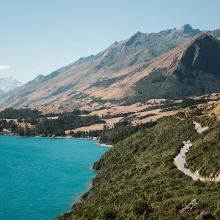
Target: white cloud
(4, 67)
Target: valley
(154, 97)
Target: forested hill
(137, 178)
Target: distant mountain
(215, 33)
(7, 84)
(79, 83)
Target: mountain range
(173, 63)
(7, 84)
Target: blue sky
(38, 36)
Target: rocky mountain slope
(170, 64)
(190, 69)
(80, 83)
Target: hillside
(137, 179)
(80, 83)
(171, 64)
(190, 69)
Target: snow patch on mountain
(8, 83)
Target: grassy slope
(205, 152)
(138, 179)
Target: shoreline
(89, 183)
(62, 137)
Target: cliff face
(202, 55)
(198, 70)
(190, 69)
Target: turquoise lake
(40, 178)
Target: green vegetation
(47, 127)
(204, 155)
(86, 134)
(170, 105)
(10, 113)
(137, 179)
(10, 125)
(121, 131)
(36, 124)
(118, 115)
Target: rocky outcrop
(191, 206)
(205, 216)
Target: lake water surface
(40, 178)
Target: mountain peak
(202, 53)
(187, 28)
(203, 36)
(138, 33)
(136, 36)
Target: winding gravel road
(180, 159)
